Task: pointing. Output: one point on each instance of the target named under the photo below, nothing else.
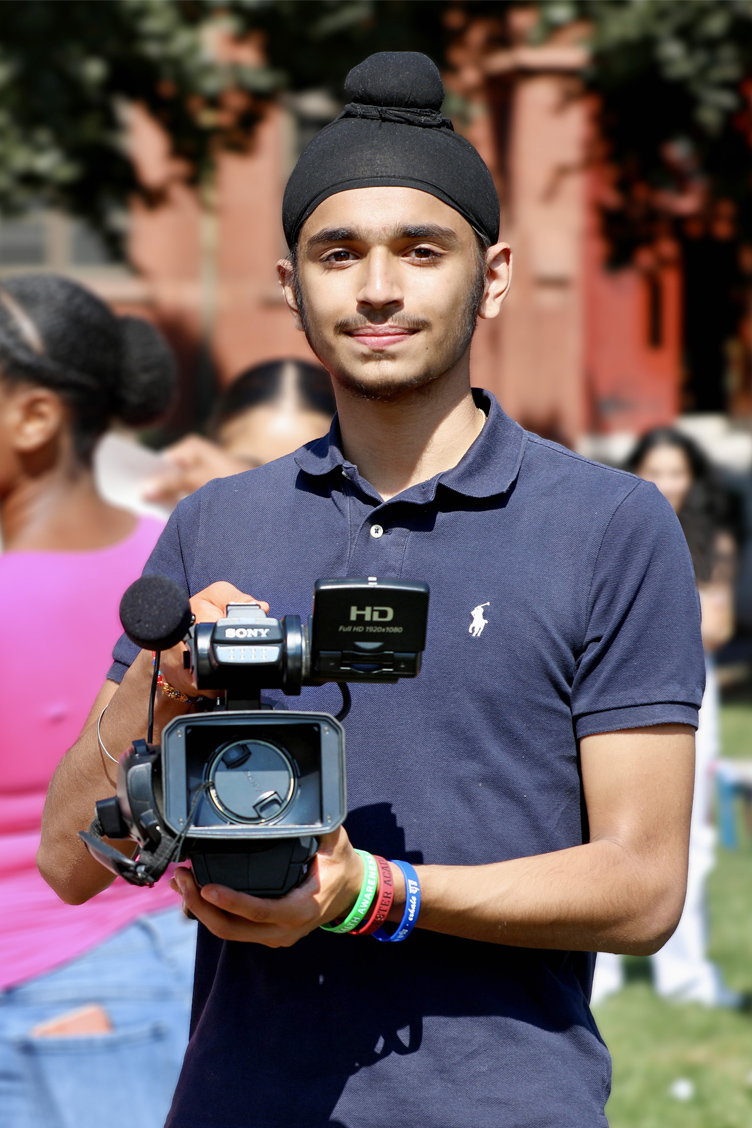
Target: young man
(538, 773)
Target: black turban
(392, 133)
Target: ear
(286, 274)
(498, 279)
(35, 416)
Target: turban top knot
(392, 132)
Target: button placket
(381, 547)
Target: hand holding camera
(328, 892)
(245, 791)
(207, 606)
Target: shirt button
(376, 531)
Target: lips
(381, 336)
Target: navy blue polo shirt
(562, 604)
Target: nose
(380, 283)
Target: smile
(381, 336)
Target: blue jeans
(142, 977)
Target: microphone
(155, 613)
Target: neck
(59, 510)
(421, 433)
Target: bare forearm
(595, 897)
(621, 892)
(80, 779)
(86, 774)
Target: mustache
(402, 321)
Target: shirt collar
(488, 468)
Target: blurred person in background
(683, 474)
(89, 997)
(267, 411)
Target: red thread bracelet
(382, 901)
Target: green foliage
(67, 73)
(701, 49)
(316, 42)
(69, 70)
(670, 74)
(675, 106)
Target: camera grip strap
(145, 869)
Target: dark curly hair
(57, 334)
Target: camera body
(242, 790)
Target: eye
(340, 255)
(425, 254)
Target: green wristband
(365, 897)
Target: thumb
(333, 842)
(211, 603)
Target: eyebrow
(410, 231)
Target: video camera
(241, 789)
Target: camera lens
(251, 780)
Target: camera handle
(254, 703)
(276, 867)
(156, 850)
(265, 867)
(146, 869)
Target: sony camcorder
(240, 788)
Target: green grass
(654, 1043)
(736, 730)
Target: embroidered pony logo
(479, 620)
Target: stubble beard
(385, 388)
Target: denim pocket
(119, 1079)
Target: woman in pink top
(94, 998)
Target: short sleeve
(642, 661)
(165, 560)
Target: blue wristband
(412, 906)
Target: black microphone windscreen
(155, 613)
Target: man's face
(388, 284)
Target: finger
(184, 452)
(165, 487)
(225, 925)
(221, 924)
(215, 920)
(222, 592)
(185, 910)
(334, 840)
(208, 606)
(206, 611)
(296, 910)
(173, 670)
